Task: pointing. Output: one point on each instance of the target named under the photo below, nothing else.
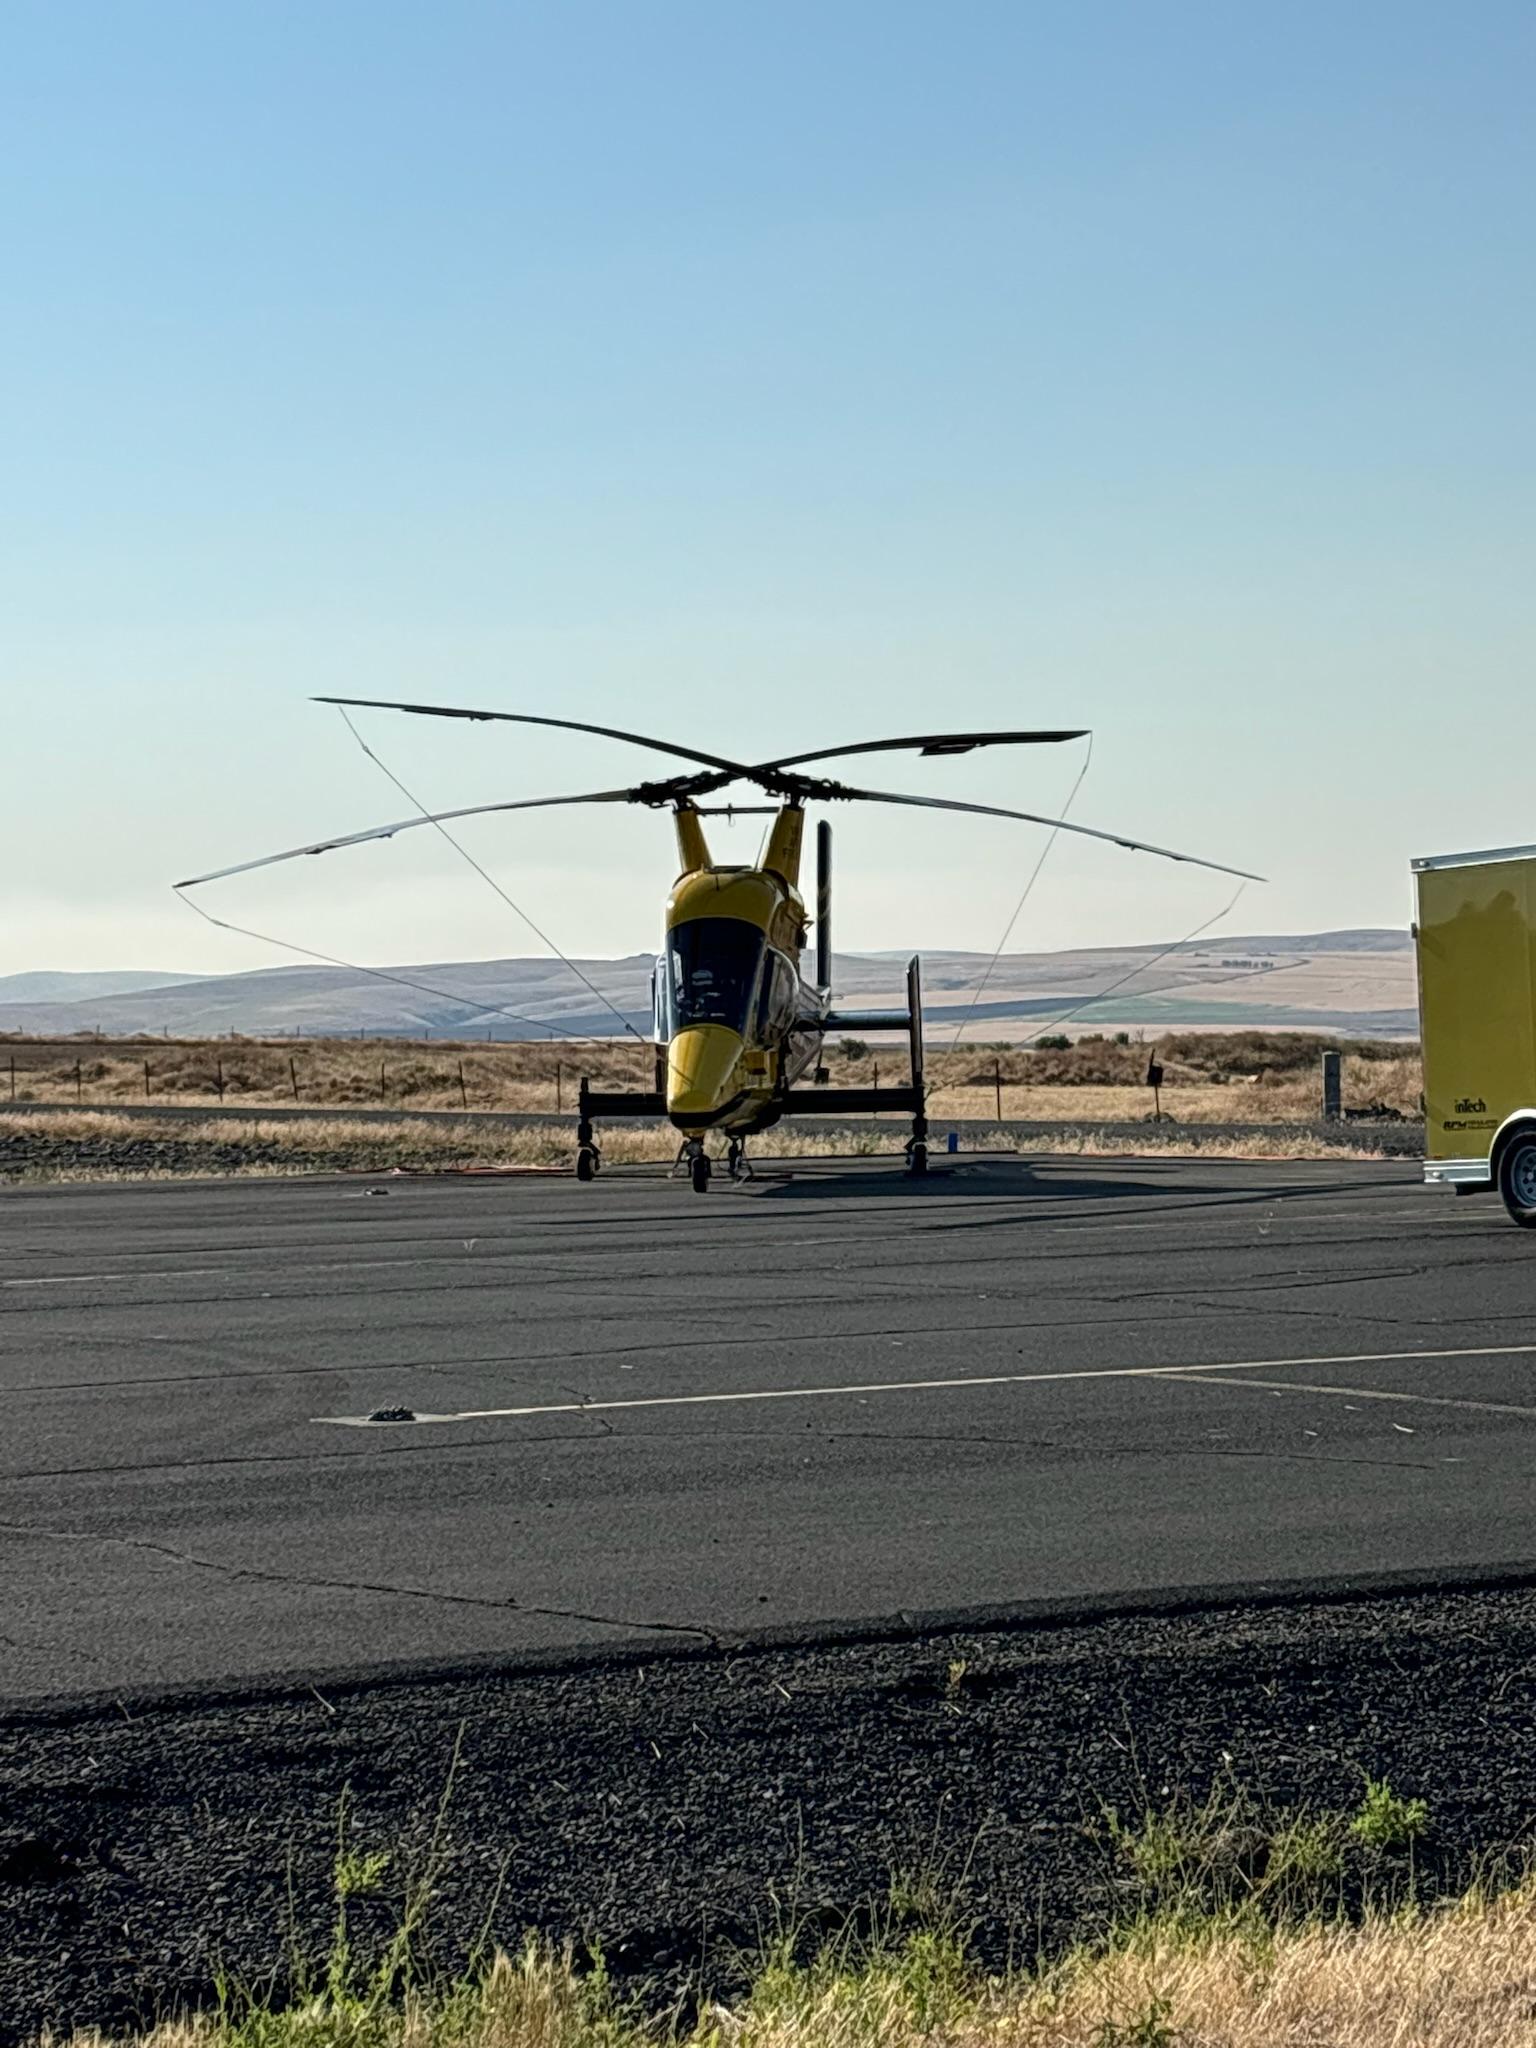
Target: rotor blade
(942, 803)
(606, 732)
(537, 803)
(932, 743)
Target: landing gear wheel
(737, 1163)
(917, 1157)
(699, 1171)
(1517, 1178)
(588, 1160)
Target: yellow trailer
(1476, 938)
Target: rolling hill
(39, 986)
(1353, 983)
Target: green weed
(1385, 1820)
(1147, 2029)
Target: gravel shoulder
(659, 1804)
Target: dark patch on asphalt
(35, 1152)
(654, 1804)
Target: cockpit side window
(777, 1002)
(711, 973)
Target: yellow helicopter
(737, 1023)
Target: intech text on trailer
(1476, 936)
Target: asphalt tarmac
(833, 1398)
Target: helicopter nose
(701, 1072)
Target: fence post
(221, 1080)
(383, 1091)
(1155, 1083)
(146, 1080)
(13, 1077)
(1332, 1093)
(79, 1085)
(997, 1082)
(559, 1095)
(293, 1077)
(463, 1091)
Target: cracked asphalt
(831, 1400)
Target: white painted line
(67, 1280)
(280, 1261)
(136, 1279)
(1003, 1379)
(1378, 1394)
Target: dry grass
(1268, 1098)
(1246, 1077)
(1458, 1977)
(319, 1073)
(1463, 1977)
(1163, 1141)
(92, 1145)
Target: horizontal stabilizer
(615, 1103)
(852, 1101)
(861, 1020)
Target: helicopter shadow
(1049, 1182)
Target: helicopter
(737, 1021)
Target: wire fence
(318, 1074)
(530, 1077)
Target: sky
(761, 377)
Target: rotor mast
(781, 856)
(692, 847)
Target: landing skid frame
(595, 1105)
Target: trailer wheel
(1517, 1178)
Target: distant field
(1209, 1076)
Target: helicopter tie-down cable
(489, 879)
(1144, 967)
(376, 973)
(1027, 892)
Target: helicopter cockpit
(709, 974)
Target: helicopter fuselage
(737, 1021)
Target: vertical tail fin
(784, 841)
(824, 906)
(692, 849)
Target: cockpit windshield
(711, 973)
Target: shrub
(1385, 1820)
